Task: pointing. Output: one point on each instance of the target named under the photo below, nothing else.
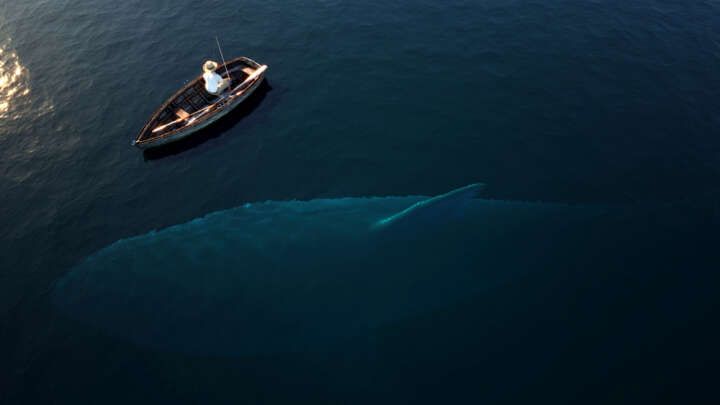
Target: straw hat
(210, 66)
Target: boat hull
(185, 133)
(223, 107)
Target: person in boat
(214, 83)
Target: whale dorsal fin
(441, 207)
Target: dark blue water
(598, 103)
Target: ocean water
(599, 103)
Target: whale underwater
(297, 276)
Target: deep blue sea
(610, 105)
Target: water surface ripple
(594, 102)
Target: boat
(193, 108)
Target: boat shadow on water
(213, 131)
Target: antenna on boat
(223, 58)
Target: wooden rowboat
(192, 108)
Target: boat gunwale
(151, 140)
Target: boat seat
(182, 114)
(248, 70)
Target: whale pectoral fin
(436, 208)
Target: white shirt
(214, 84)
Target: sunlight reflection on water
(15, 86)
(14, 82)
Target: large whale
(289, 276)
